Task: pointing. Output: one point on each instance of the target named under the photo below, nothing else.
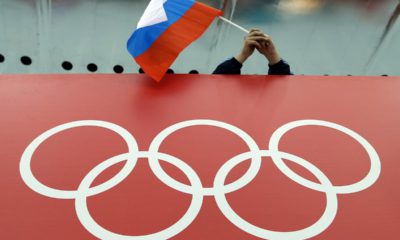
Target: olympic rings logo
(198, 192)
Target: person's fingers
(260, 32)
(254, 29)
(265, 44)
(257, 38)
(257, 34)
(266, 37)
(254, 43)
(263, 40)
(257, 31)
(266, 40)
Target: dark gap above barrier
(118, 69)
(26, 60)
(66, 65)
(91, 67)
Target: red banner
(199, 157)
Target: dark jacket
(233, 66)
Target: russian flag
(166, 28)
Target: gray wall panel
(315, 36)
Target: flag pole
(234, 24)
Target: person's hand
(251, 42)
(269, 50)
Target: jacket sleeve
(230, 66)
(233, 66)
(280, 68)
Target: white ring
(91, 225)
(35, 185)
(169, 181)
(219, 190)
(366, 182)
(323, 223)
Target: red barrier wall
(338, 137)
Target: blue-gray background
(335, 37)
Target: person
(265, 46)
